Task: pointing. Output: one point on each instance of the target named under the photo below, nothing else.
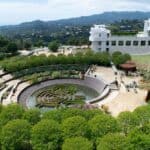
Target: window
(99, 49)
(107, 43)
(128, 43)
(135, 43)
(108, 35)
(99, 35)
(100, 43)
(120, 43)
(149, 43)
(113, 43)
(107, 49)
(143, 43)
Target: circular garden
(61, 95)
(39, 70)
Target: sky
(18, 11)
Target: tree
(11, 112)
(74, 126)
(128, 121)
(144, 129)
(12, 48)
(89, 114)
(39, 43)
(143, 114)
(1, 108)
(77, 143)
(100, 125)
(27, 45)
(3, 41)
(113, 141)
(119, 58)
(16, 135)
(53, 115)
(53, 46)
(46, 135)
(71, 112)
(138, 140)
(32, 116)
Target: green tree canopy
(100, 125)
(12, 48)
(138, 140)
(119, 58)
(74, 126)
(32, 116)
(71, 112)
(89, 114)
(27, 45)
(77, 143)
(53, 46)
(1, 108)
(143, 113)
(128, 121)
(46, 135)
(11, 112)
(53, 115)
(113, 141)
(15, 135)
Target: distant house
(102, 40)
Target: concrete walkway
(121, 100)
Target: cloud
(17, 11)
(24, 1)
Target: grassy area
(142, 59)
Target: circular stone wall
(93, 83)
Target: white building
(102, 40)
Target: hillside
(106, 17)
(77, 28)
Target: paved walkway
(122, 100)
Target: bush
(56, 74)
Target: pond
(60, 95)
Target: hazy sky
(17, 11)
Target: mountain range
(52, 26)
